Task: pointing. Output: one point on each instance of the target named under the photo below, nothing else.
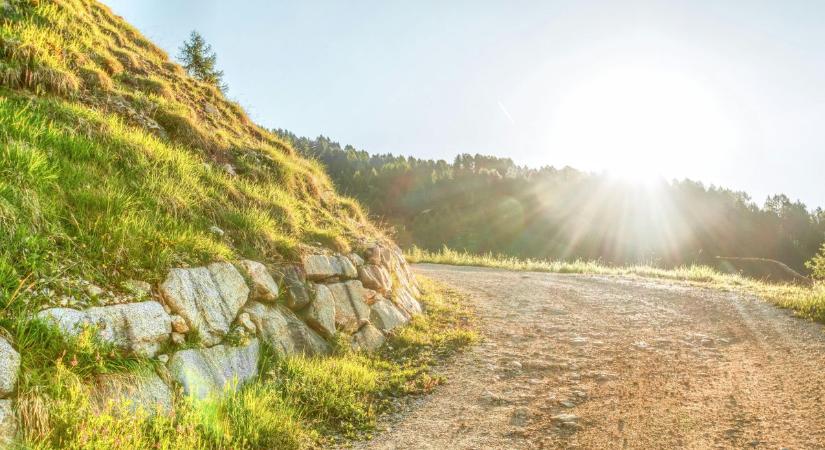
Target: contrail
(506, 113)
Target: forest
(485, 204)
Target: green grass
(111, 161)
(296, 403)
(805, 301)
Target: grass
(112, 161)
(805, 301)
(296, 402)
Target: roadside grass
(805, 301)
(295, 403)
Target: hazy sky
(730, 93)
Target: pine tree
(199, 60)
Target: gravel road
(574, 361)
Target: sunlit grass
(805, 301)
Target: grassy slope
(111, 168)
(111, 160)
(807, 302)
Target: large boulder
(350, 308)
(320, 314)
(298, 293)
(322, 267)
(141, 327)
(208, 372)
(367, 339)
(284, 331)
(9, 368)
(8, 424)
(263, 286)
(404, 300)
(69, 321)
(208, 298)
(386, 316)
(375, 277)
(133, 393)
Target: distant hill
(487, 204)
(115, 164)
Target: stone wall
(215, 319)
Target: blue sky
(729, 93)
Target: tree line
(484, 203)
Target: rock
(386, 316)
(246, 322)
(320, 314)
(568, 420)
(322, 267)
(371, 296)
(178, 339)
(350, 307)
(373, 254)
(214, 229)
(69, 321)
(284, 331)
(263, 288)
(8, 424)
(138, 327)
(163, 358)
(207, 372)
(179, 324)
(356, 260)
(579, 340)
(9, 368)
(375, 277)
(229, 170)
(298, 293)
(404, 300)
(133, 393)
(208, 298)
(367, 339)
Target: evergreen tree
(199, 60)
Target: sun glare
(641, 124)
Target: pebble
(578, 340)
(565, 417)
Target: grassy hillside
(113, 161)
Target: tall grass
(805, 301)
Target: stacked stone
(226, 311)
(9, 368)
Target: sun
(641, 124)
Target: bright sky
(730, 93)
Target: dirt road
(584, 362)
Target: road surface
(574, 361)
